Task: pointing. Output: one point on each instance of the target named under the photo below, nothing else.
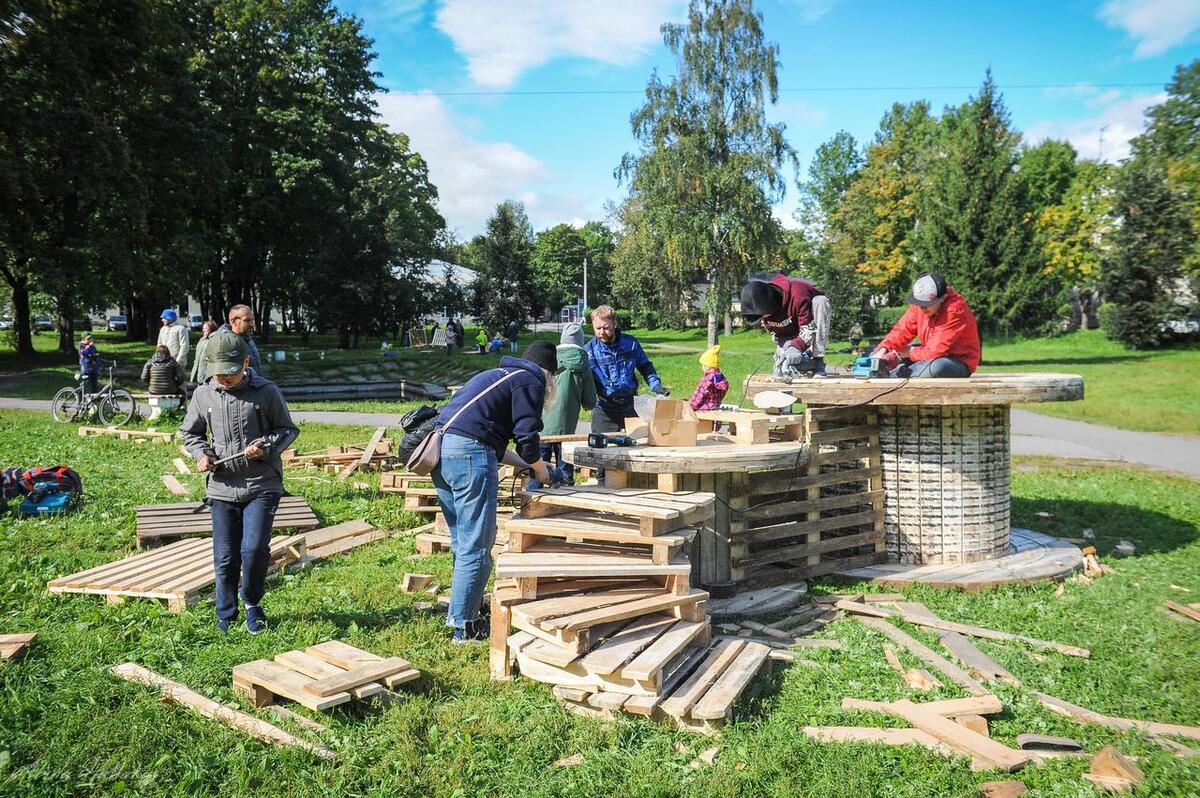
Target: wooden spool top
(706, 457)
(978, 389)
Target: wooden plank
(313, 668)
(959, 737)
(281, 711)
(862, 734)
(1088, 716)
(774, 510)
(992, 634)
(545, 609)
(13, 646)
(648, 664)
(328, 534)
(925, 654)
(181, 466)
(629, 609)
(566, 560)
(180, 694)
(174, 485)
(626, 644)
(976, 705)
(368, 672)
(1187, 612)
(796, 528)
(717, 701)
(981, 664)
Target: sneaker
(819, 367)
(256, 620)
(473, 632)
(223, 625)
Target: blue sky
(530, 99)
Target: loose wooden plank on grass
(1187, 612)
(181, 466)
(925, 654)
(174, 485)
(369, 672)
(12, 646)
(960, 737)
(951, 707)
(1088, 716)
(174, 691)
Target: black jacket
(511, 411)
(164, 375)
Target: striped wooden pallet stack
(140, 435)
(828, 517)
(594, 597)
(159, 522)
(335, 458)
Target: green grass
(1156, 391)
(68, 727)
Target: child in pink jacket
(713, 386)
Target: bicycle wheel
(117, 408)
(66, 404)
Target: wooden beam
(959, 737)
(925, 654)
(181, 694)
(952, 707)
(1187, 612)
(1088, 716)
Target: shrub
(886, 318)
(1105, 313)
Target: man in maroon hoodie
(797, 315)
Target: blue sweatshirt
(511, 411)
(613, 368)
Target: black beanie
(544, 353)
(760, 299)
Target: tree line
(226, 149)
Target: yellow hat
(712, 358)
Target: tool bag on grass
(426, 445)
(45, 490)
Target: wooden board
(13, 646)
(959, 737)
(368, 453)
(577, 560)
(127, 434)
(174, 485)
(367, 672)
(1186, 612)
(951, 707)
(706, 457)
(925, 654)
(157, 522)
(718, 700)
(684, 507)
(989, 389)
(178, 573)
(1088, 716)
(180, 694)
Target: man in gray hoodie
(238, 414)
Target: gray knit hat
(571, 334)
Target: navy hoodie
(511, 411)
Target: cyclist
(89, 363)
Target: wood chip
(705, 758)
(569, 761)
(1113, 770)
(1002, 789)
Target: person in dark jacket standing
(163, 374)
(467, 475)
(89, 363)
(615, 358)
(798, 316)
(576, 391)
(237, 413)
(241, 321)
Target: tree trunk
(712, 328)
(66, 324)
(20, 300)
(343, 336)
(728, 325)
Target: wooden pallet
(570, 622)
(338, 539)
(322, 676)
(748, 427)
(698, 688)
(656, 511)
(152, 435)
(12, 646)
(826, 519)
(158, 522)
(401, 481)
(178, 573)
(526, 533)
(422, 500)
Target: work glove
(662, 390)
(793, 356)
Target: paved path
(1032, 433)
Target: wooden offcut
(959, 737)
(1185, 611)
(181, 694)
(365, 459)
(127, 434)
(13, 646)
(1112, 770)
(1083, 715)
(174, 485)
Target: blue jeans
(242, 549)
(938, 367)
(552, 453)
(467, 483)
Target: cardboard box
(673, 424)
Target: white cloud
(798, 114)
(1156, 25)
(393, 16)
(500, 40)
(1064, 92)
(812, 10)
(1111, 129)
(472, 176)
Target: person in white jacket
(175, 336)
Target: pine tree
(1150, 245)
(505, 289)
(974, 223)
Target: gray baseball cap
(225, 353)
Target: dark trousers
(610, 417)
(93, 382)
(242, 550)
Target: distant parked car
(6, 323)
(117, 323)
(195, 323)
(43, 323)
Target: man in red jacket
(949, 338)
(797, 314)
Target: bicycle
(114, 406)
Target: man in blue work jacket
(613, 357)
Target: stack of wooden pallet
(421, 497)
(157, 523)
(749, 427)
(594, 596)
(375, 455)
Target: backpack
(417, 424)
(37, 485)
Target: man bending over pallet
(949, 337)
(250, 426)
